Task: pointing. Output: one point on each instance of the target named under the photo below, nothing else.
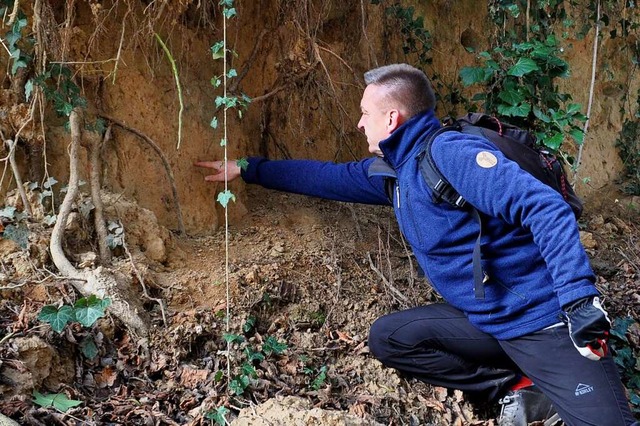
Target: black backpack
(517, 145)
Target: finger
(215, 178)
(208, 164)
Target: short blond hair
(405, 85)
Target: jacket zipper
(397, 194)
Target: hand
(233, 170)
(589, 327)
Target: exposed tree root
(101, 282)
(96, 167)
(165, 163)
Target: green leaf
(242, 163)
(573, 109)
(214, 122)
(541, 115)
(577, 135)
(216, 82)
(249, 370)
(66, 109)
(223, 142)
(271, 345)
(217, 50)
(88, 347)
(229, 13)
(232, 338)
(521, 110)
(239, 384)
(57, 318)
(49, 183)
(472, 75)
(253, 355)
(8, 212)
(249, 324)
(225, 196)
(554, 141)
(523, 67)
(88, 310)
(59, 401)
(219, 415)
(512, 97)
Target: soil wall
(301, 61)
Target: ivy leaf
(223, 142)
(229, 13)
(242, 163)
(89, 309)
(219, 415)
(573, 109)
(217, 50)
(239, 384)
(59, 401)
(214, 123)
(18, 234)
(8, 212)
(521, 110)
(88, 347)
(225, 196)
(522, 67)
(232, 73)
(57, 318)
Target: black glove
(589, 327)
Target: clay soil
(308, 273)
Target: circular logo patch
(486, 159)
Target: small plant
(16, 43)
(86, 311)
(250, 355)
(219, 415)
(58, 87)
(59, 401)
(628, 145)
(627, 361)
(319, 376)
(521, 82)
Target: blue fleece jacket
(531, 248)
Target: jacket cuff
(251, 175)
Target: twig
(16, 174)
(384, 279)
(164, 160)
(141, 281)
(247, 65)
(177, 78)
(14, 13)
(96, 167)
(591, 90)
(115, 68)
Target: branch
(177, 78)
(96, 167)
(164, 160)
(16, 173)
(591, 90)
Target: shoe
(523, 406)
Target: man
(511, 345)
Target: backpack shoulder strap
(443, 191)
(440, 187)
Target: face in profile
(376, 120)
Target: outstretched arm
(334, 181)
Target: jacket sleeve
(498, 187)
(334, 181)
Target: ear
(394, 120)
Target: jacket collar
(405, 142)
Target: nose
(361, 124)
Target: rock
(587, 240)
(6, 421)
(290, 410)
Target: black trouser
(438, 345)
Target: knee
(378, 342)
